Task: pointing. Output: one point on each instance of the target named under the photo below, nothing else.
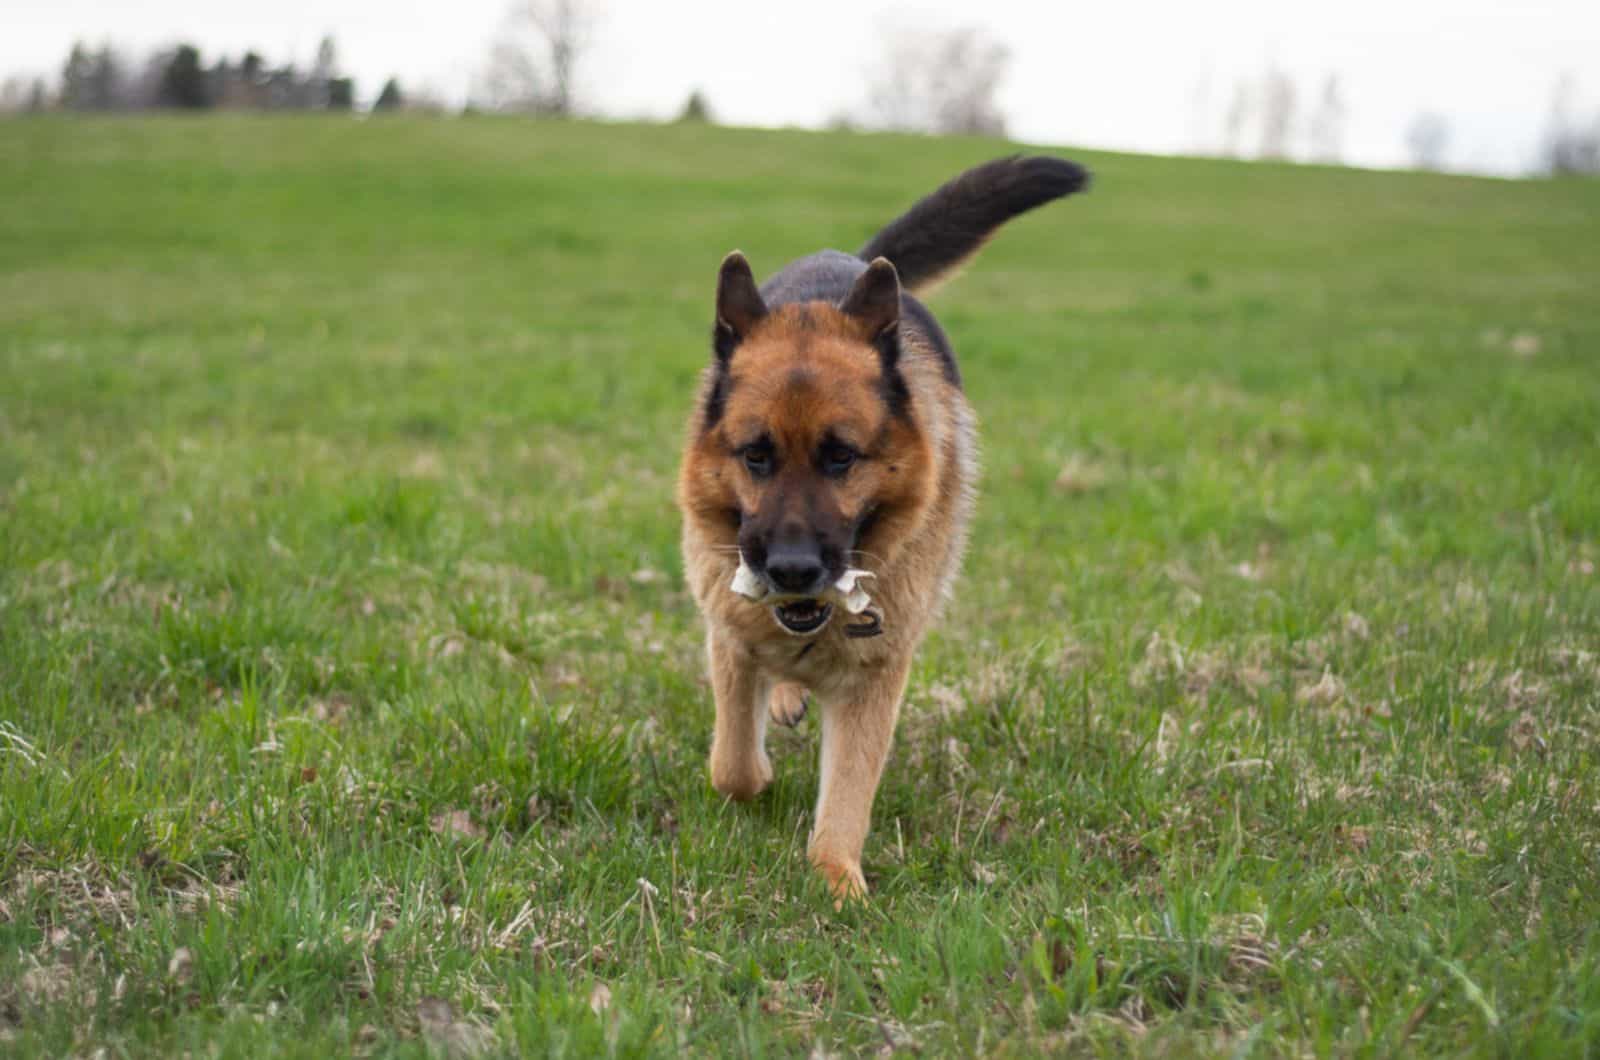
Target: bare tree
(1277, 114)
(1327, 123)
(940, 81)
(533, 64)
(511, 80)
(1428, 139)
(1199, 115)
(566, 27)
(1240, 112)
(13, 94)
(324, 70)
(1570, 145)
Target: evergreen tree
(76, 76)
(390, 98)
(696, 109)
(183, 84)
(105, 79)
(341, 93)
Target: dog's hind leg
(740, 768)
(786, 704)
(856, 732)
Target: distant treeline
(932, 79)
(108, 79)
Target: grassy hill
(351, 699)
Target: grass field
(351, 699)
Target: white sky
(1130, 74)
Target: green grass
(351, 698)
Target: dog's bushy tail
(946, 228)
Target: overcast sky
(1133, 74)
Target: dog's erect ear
(739, 304)
(874, 302)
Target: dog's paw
(844, 880)
(787, 705)
(740, 777)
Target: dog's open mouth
(802, 617)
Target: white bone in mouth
(854, 598)
(746, 584)
(847, 590)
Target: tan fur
(786, 704)
(803, 370)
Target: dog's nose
(795, 571)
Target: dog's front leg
(857, 729)
(740, 768)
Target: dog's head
(808, 457)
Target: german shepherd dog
(831, 433)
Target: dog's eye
(837, 458)
(758, 459)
